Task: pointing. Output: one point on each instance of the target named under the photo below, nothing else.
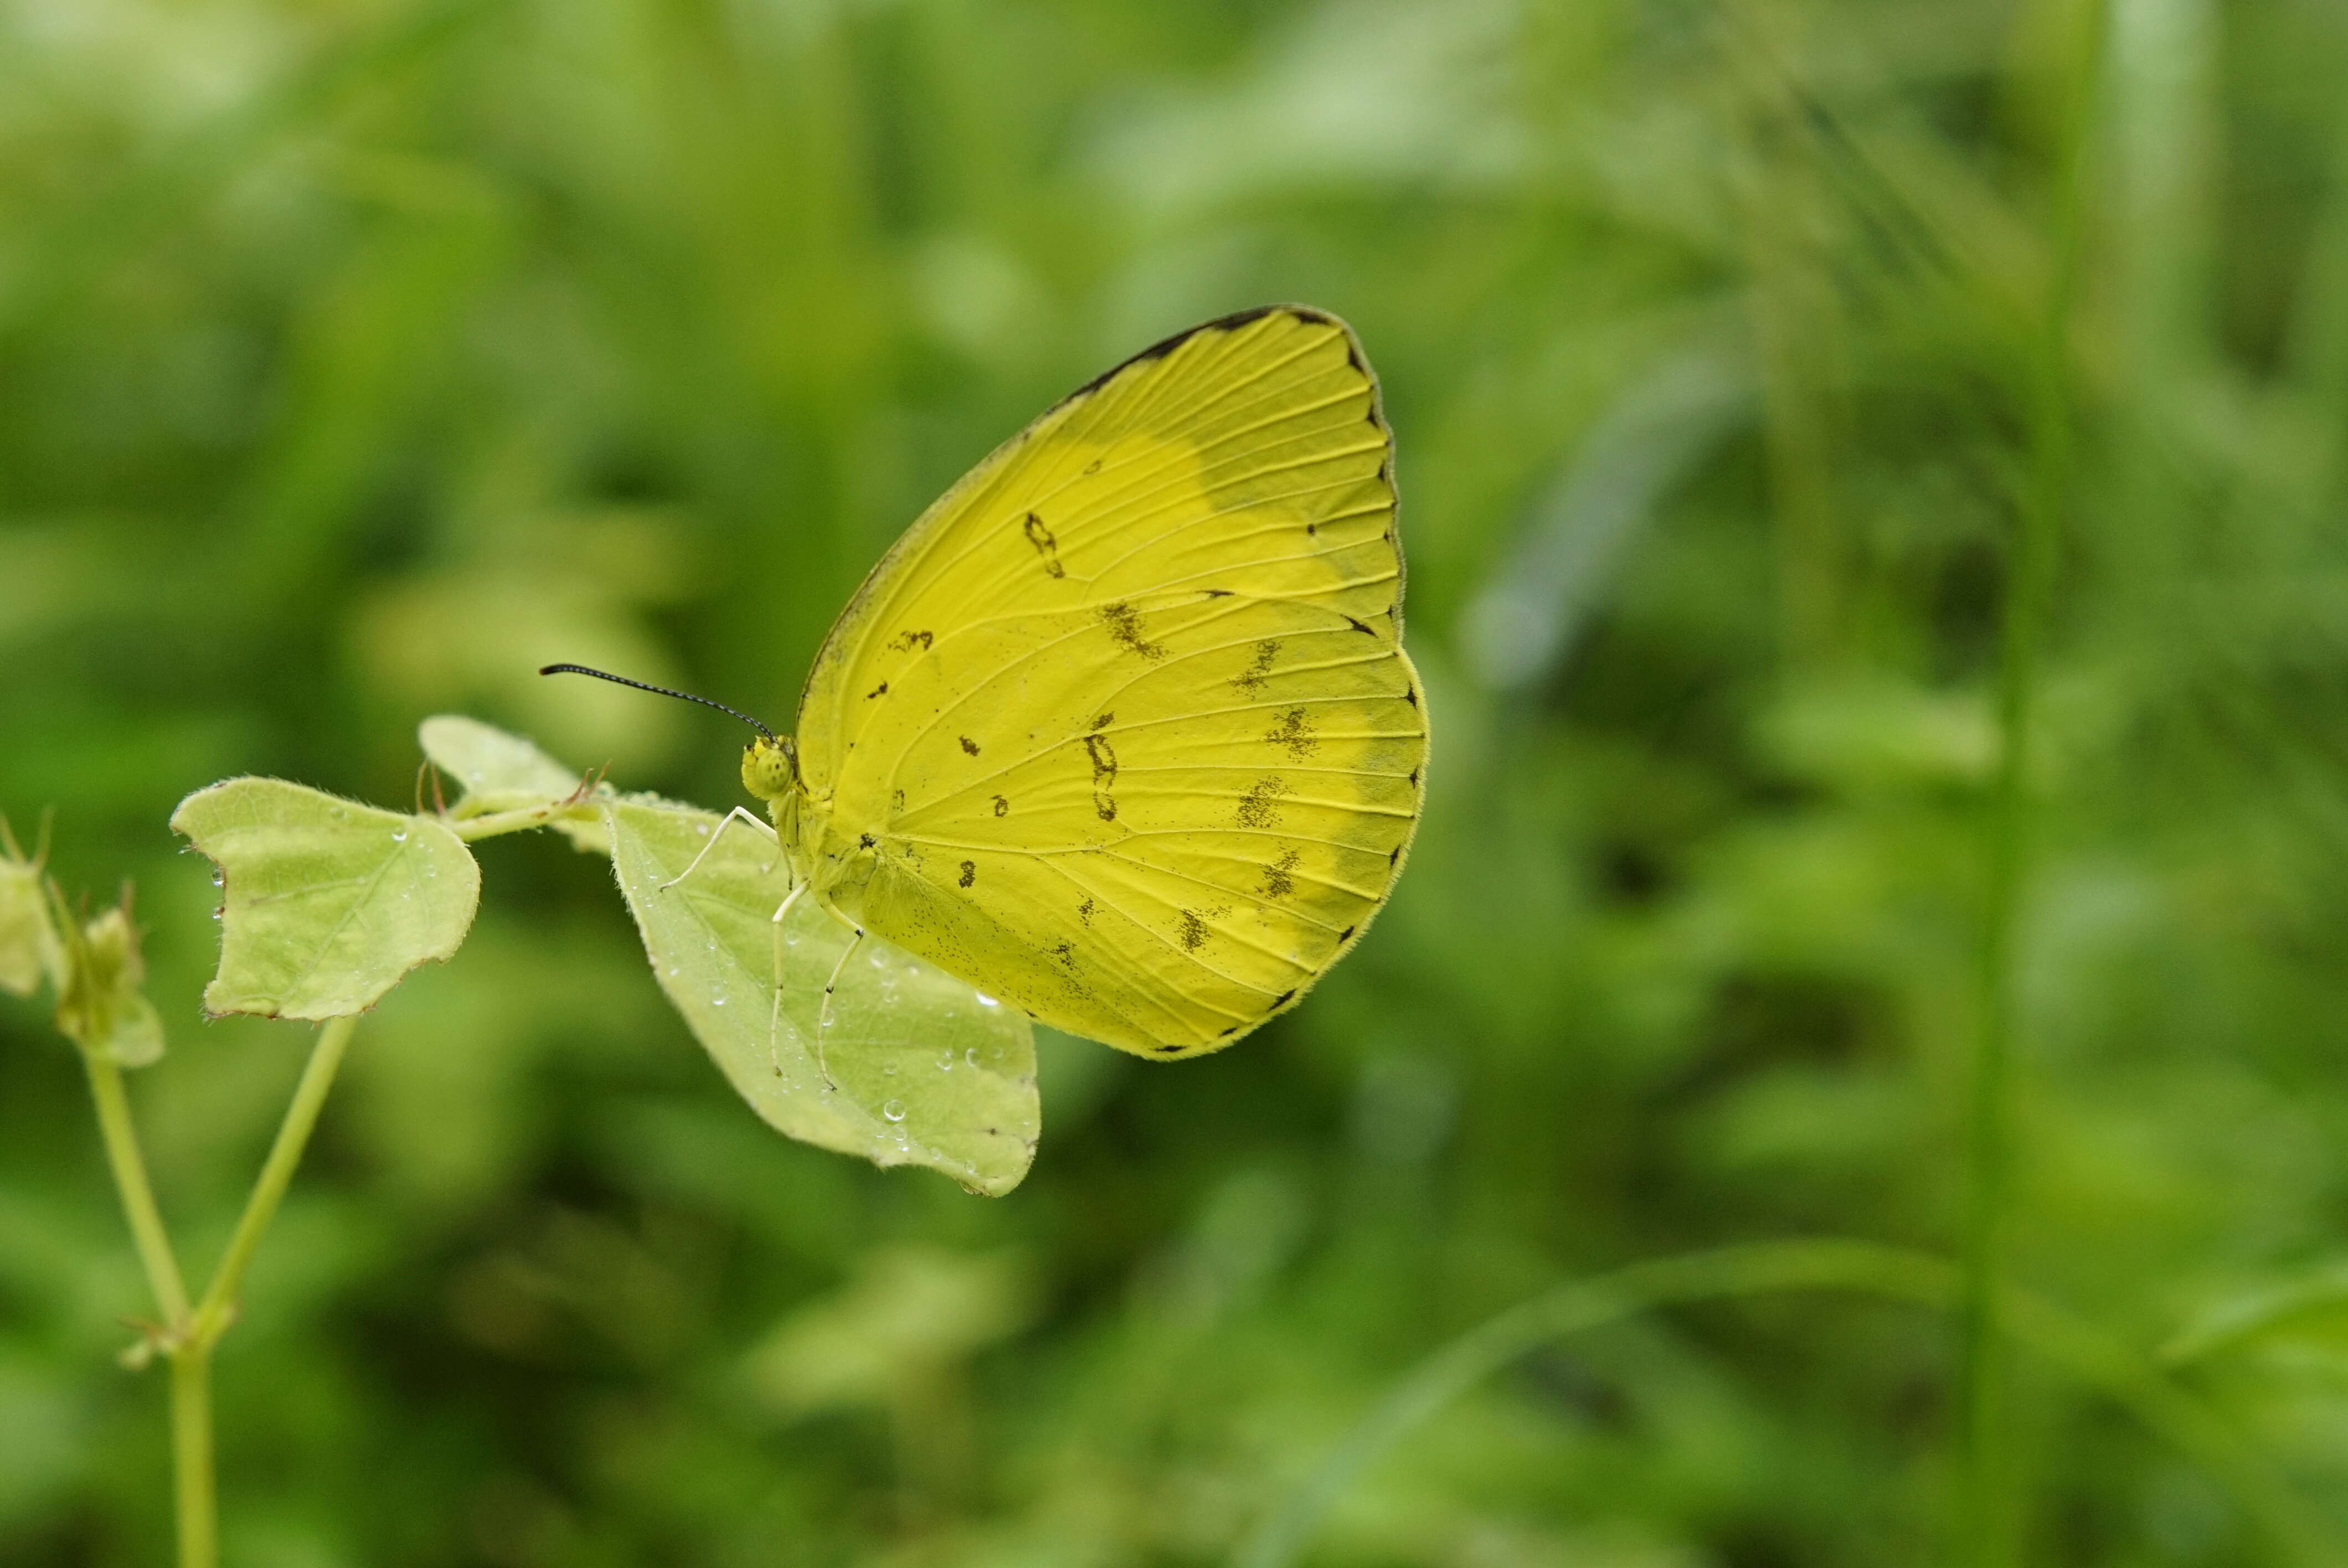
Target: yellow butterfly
(1122, 730)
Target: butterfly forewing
(1124, 718)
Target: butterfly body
(1121, 730)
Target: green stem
(1985, 1514)
(192, 1456)
(121, 1140)
(521, 819)
(217, 1307)
(195, 1333)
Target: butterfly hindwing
(1123, 724)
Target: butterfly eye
(769, 767)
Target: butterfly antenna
(663, 691)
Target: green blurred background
(358, 356)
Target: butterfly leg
(823, 1013)
(714, 838)
(775, 1013)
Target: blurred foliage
(357, 356)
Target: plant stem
(192, 1456)
(192, 1334)
(121, 1140)
(214, 1312)
(521, 819)
(1986, 1519)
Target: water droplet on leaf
(895, 1111)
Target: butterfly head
(771, 767)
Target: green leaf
(28, 946)
(328, 902)
(924, 1071)
(499, 771)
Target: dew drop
(984, 1001)
(718, 1000)
(399, 835)
(888, 1069)
(946, 1062)
(879, 960)
(970, 1057)
(702, 828)
(220, 877)
(220, 912)
(335, 812)
(895, 1111)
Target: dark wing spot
(1124, 623)
(1218, 592)
(1414, 777)
(970, 745)
(1046, 545)
(1084, 913)
(1001, 806)
(1228, 1032)
(1259, 666)
(1311, 530)
(865, 841)
(1410, 695)
(1277, 882)
(1092, 467)
(1066, 953)
(1346, 935)
(1359, 625)
(1193, 934)
(1104, 760)
(876, 691)
(1103, 722)
(1294, 732)
(1284, 999)
(969, 874)
(906, 642)
(1394, 855)
(1165, 1047)
(1256, 808)
(896, 800)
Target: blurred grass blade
(1525, 621)
(154, 194)
(499, 771)
(2318, 1302)
(1767, 1268)
(910, 1313)
(328, 902)
(924, 1071)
